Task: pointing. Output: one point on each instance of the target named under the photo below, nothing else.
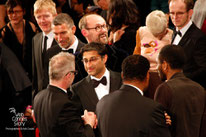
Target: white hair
(156, 22)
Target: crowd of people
(103, 68)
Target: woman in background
(149, 41)
(123, 18)
(17, 34)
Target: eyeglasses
(177, 13)
(75, 72)
(14, 12)
(92, 59)
(99, 28)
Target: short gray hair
(156, 22)
(60, 65)
(63, 18)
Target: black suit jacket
(126, 113)
(37, 63)
(115, 58)
(85, 91)
(58, 116)
(194, 45)
(78, 62)
(181, 90)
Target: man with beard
(126, 112)
(183, 98)
(94, 28)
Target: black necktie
(69, 51)
(45, 47)
(96, 82)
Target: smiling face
(179, 14)
(64, 35)
(92, 35)
(94, 64)
(16, 14)
(44, 19)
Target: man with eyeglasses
(64, 33)
(94, 28)
(192, 39)
(99, 82)
(55, 112)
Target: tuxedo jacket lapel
(90, 91)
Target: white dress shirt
(50, 39)
(183, 31)
(102, 90)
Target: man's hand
(90, 118)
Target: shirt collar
(185, 28)
(140, 91)
(50, 35)
(74, 45)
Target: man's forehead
(95, 19)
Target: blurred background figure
(17, 34)
(199, 15)
(2, 13)
(123, 21)
(15, 91)
(149, 41)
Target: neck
(20, 25)
(58, 84)
(172, 72)
(135, 83)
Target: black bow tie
(69, 51)
(177, 33)
(96, 82)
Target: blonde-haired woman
(149, 41)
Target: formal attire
(89, 96)
(184, 100)
(85, 91)
(58, 116)
(38, 61)
(78, 60)
(193, 41)
(126, 113)
(23, 51)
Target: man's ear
(84, 32)
(190, 13)
(105, 58)
(73, 29)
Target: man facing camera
(126, 112)
(57, 115)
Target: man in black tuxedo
(126, 112)
(64, 33)
(95, 29)
(44, 12)
(56, 114)
(190, 38)
(94, 58)
(99, 82)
